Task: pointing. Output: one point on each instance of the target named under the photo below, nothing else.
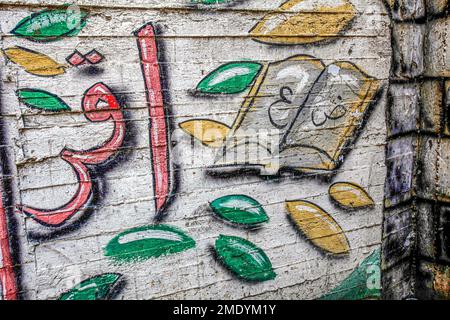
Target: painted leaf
(40, 99)
(230, 78)
(318, 226)
(362, 283)
(210, 133)
(304, 21)
(34, 62)
(350, 195)
(239, 209)
(97, 288)
(244, 259)
(148, 242)
(51, 25)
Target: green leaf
(148, 242)
(239, 209)
(356, 285)
(51, 25)
(39, 99)
(230, 78)
(244, 259)
(97, 288)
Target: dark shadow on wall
(6, 178)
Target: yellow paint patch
(318, 226)
(210, 133)
(350, 195)
(289, 25)
(34, 62)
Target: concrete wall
(311, 77)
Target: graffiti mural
(302, 100)
(271, 182)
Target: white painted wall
(195, 42)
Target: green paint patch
(51, 25)
(363, 283)
(43, 100)
(147, 242)
(97, 288)
(230, 78)
(244, 259)
(239, 209)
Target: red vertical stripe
(159, 135)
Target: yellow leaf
(350, 195)
(34, 62)
(304, 21)
(318, 226)
(210, 133)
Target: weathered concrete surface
(415, 258)
(194, 40)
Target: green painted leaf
(244, 259)
(97, 288)
(39, 99)
(356, 285)
(148, 242)
(51, 25)
(230, 78)
(239, 209)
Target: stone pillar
(416, 231)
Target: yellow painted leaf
(34, 62)
(350, 195)
(318, 226)
(304, 21)
(210, 133)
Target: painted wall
(113, 164)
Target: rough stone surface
(436, 53)
(409, 10)
(398, 282)
(420, 75)
(400, 163)
(194, 40)
(426, 230)
(398, 236)
(434, 282)
(432, 111)
(437, 7)
(404, 109)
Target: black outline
(22, 100)
(197, 92)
